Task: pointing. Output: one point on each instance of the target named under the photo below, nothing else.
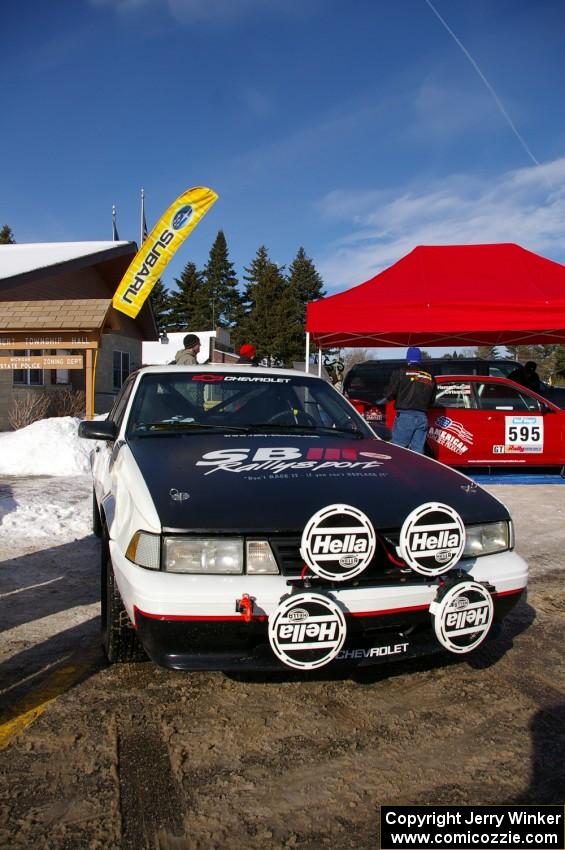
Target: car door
(518, 426)
(104, 451)
(454, 423)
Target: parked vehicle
(494, 422)
(365, 383)
(250, 519)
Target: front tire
(119, 639)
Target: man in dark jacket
(413, 389)
(527, 376)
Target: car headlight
(204, 555)
(145, 550)
(487, 539)
(260, 559)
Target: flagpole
(142, 220)
(114, 228)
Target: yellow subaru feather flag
(166, 237)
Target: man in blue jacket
(413, 389)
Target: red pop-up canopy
(448, 295)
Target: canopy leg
(307, 355)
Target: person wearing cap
(187, 356)
(247, 355)
(413, 390)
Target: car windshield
(175, 402)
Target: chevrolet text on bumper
(250, 519)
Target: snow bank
(47, 447)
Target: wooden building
(58, 328)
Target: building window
(121, 368)
(28, 377)
(61, 376)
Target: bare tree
(28, 407)
(68, 402)
(351, 356)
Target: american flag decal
(456, 428)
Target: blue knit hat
(413, 355)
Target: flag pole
(142, 220)
(115, 236)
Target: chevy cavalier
(251, 519)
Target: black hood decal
(275, 482)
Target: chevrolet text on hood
(251, 519)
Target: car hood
(261, 483)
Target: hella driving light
(204, 555)
(144, 550)
(260, 559)
(487, 539)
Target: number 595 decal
(524, 433)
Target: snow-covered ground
(56, 505)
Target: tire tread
(119, 638)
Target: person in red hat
(247, 355)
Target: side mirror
(97, 429)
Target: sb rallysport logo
(307, 630)
(462, 616)
(277, 459)
(432, 539)
(338, 542)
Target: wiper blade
(306, 429)
(153, 427)
(345, 432)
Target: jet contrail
(486, 82)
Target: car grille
(381, 570)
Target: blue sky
(358, 130)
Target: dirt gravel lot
(139, 757)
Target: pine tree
(290, 318)
(264, 290)
(6, 235)
(489, 352)
(189, 306)
(222, 285)
(304, 285)
(559, 364)
(307, 281)
(160, 301)
(256, 270)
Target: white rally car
(250, 519)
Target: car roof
(441, 379)
(257, 371)
(389, 361)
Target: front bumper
(239, 646)
(191, 622)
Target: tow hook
(244, 606)
(305, 577)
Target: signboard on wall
(18, 341)
(58, 361)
